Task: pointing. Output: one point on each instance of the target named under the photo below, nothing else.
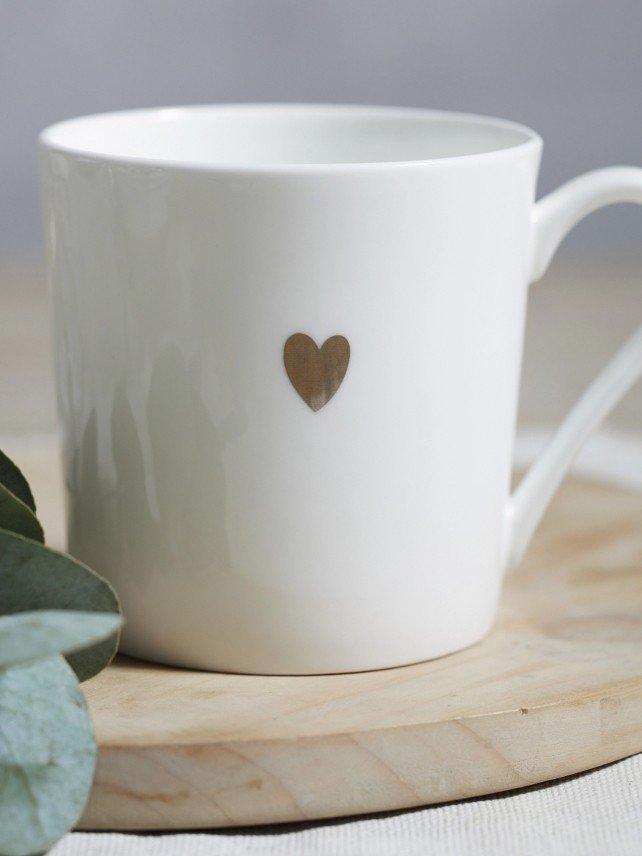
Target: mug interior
(280, 135)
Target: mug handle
(553, 217)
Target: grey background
(572, 70)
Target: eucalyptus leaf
(28, 636)
(33, 576)
(18, 517)
(13, 479)
(47, 755)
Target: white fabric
(594, 814)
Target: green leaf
(18, 517)
(13, 479)
(28, 636)
(34, 577)
(47, 755)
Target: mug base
(207, 664)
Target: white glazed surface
(243, 531)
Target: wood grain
(316, 373)
(554, 689)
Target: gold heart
(316, 373)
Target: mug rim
(50, 138)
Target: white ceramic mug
(280, 509)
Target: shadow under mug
(288, 352)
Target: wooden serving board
(556, 688)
